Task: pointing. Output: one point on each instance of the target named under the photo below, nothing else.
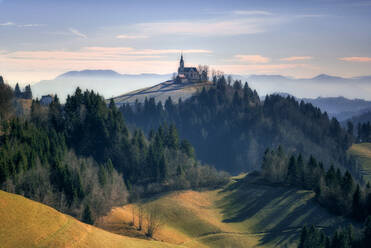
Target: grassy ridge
(248, 213)
(362, 152)
(25, 223)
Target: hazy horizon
(42, 39)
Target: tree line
(312, 237)
(336, 191)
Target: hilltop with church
(187, 81)
(189, 74)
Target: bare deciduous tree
(154, 221)
(133, 214)
(140, 216)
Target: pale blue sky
(40, 39)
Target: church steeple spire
(181, 64)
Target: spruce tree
(87, 215)
(357, 204)
(27, 92)
(292, 171)
(17, 91)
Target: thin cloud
(31, 25)
(131, 37)
(252, 12)
(77, 33)
(259, 68)
(252, 59)
(356, 59)
(207, 28)
(310, 16)
(296, 58)
(12, 24)
(7, 24)
(98, 54)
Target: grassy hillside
(161, 92)
(25, 223)
(362, 152)
(248, 213)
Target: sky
(40, 39)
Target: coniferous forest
(233, 113)
(81, 158)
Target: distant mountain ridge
(90, 73)
(322, 76)
(105, 73)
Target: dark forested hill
(81, 158)
(231, 128)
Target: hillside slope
(248, 213)
(362, 153)
(161, 92)
(25, 223)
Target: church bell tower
(181, 65)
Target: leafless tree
(204, 72)
(229, 79)
(133, 214)
(154, 221)
(140, 216)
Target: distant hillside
(362, 118)
(320, 86)
(107, 82)
(341, 107)
(247, 213)
(25, 223)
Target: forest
(234, 114)
(81, 158)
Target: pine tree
(17, 91)
(87, 215)
(367, 233)
(357, 204)
(292, 173)
(172, 138)
(27, 92)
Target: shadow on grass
(275, 210)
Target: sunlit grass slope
(25, 223)
(248, 213)
(363, 154)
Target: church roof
(188, 69)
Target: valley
(248, 212)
